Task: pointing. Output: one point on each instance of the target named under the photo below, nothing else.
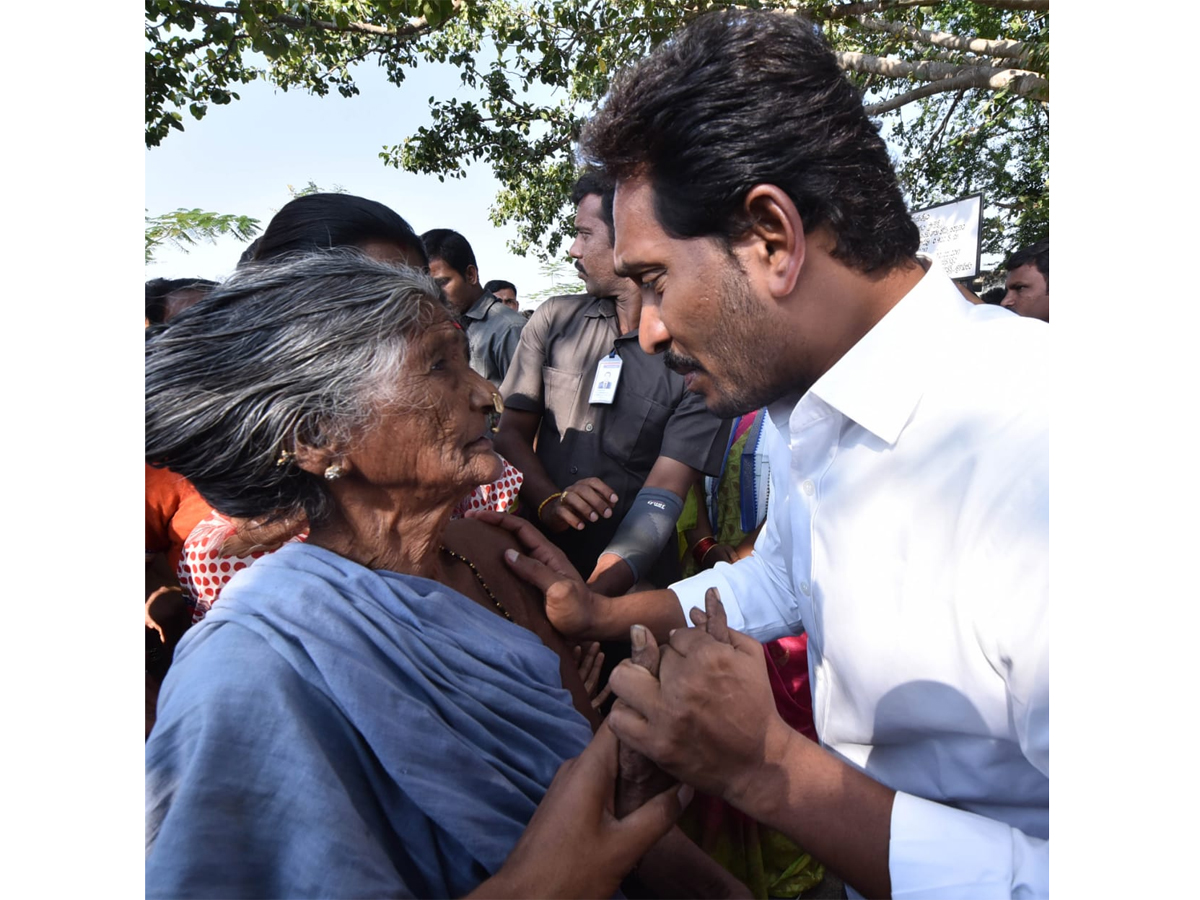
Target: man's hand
(577, 815)
(569, 602)
(709, 719)
(587, 500)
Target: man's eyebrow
(629, 269)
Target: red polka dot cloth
(204, 570)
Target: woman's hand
(570, 605)
(587, 500)
(590, 659)
(574, 846)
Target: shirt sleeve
(522, 387)
(694, 436)
(756, 591)
(937, 851)
(505, 342)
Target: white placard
(950, 234)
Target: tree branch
(412, 27)
(843, 10)
(945, 76)
(1005, 49)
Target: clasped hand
(709, 719)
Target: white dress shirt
(908, 533)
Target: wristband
(646, 528)
(701, 548)
(542, 505)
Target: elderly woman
(378, 711)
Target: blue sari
(333, 731)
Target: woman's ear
(316, 460)
(776, 237)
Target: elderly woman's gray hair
(296, 352)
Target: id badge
(604, 385)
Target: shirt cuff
(937, 851)
(691, 592)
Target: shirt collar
(601, 308)
(879, 381)
(479, 309)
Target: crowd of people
(720, 579)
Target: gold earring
(498, 406)
(285, 457)
(334, 472)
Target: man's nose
(1007, 300)
(652, 334)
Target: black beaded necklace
(483, 584)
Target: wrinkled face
(697, 306)
(433, 439)
(1026, 292)
(461, 289)
(592, 250)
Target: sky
(241, 158)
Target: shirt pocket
(560, 397)
(633, 431)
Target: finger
(602, 697)
(584, 501)
(629, 725)
(533, 571)
(717, 621)
(636, 686)
(699, 618)
(601, 488)
(645, 649)
(645, 826)
(686, 641)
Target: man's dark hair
(159, 289)
(450, 247)
(993, 295)
(323, 221)
(594, 181)
(737, 99)
(1037, 253)
(499, 284)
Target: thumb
(529, 569)
(641, 829)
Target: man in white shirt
(908, 520)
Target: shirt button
(587, 427)
(804, 588)
(574, 470)
(809, 488)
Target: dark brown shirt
(652, 415)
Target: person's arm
(573, 609)
(613, 574)
(576, 812)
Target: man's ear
(776, 237)
(472, 275)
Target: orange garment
(173, 508)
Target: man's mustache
(675, 362)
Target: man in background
(1027, 286)
(619, 438)
(505, 291)
(492, 328)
